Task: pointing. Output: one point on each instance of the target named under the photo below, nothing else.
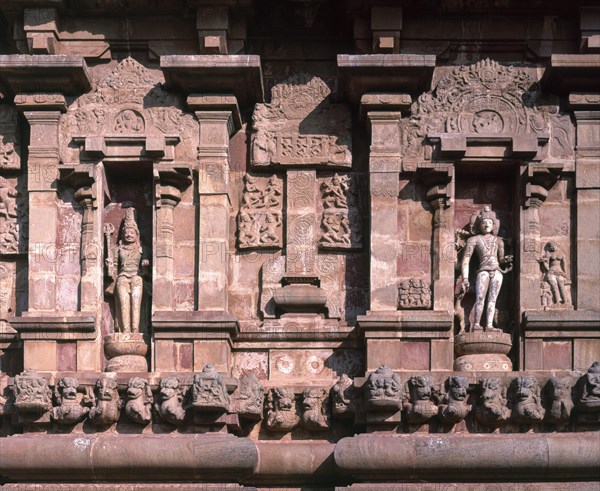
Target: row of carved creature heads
(490, 403)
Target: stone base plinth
(126, 352)
(482, 351)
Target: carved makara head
(420, 387)
(136, 388)
(169, 388)
(490, 389)
(106, 389)
(312, 398)
(283, 399)
(593, 380)
(67, 388)
(457, 388)
(560, 388)
(526, 387)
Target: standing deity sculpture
(129, 265)
(555, 284)
(126, 265)
(492, 265)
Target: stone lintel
(360, 74)
(419, 321)
(127, 147)
(563, 323)
(589, 101)
(240, 75)
(67, 74)
(196, 324)
(515, 145)
(491, 457)
(51, 326)
(572, 73)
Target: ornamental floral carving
(301, 127)
(259, 219)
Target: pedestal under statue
(125, 264)
(483, 347)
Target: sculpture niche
(485, 346)
(125, 266)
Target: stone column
(169, 184)
(384, 176)
(217, 118)
(42, 112)
(441, 196)
(587, 184)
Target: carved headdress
(130, 220)
(485, 213)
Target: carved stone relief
(485, 98)
(170, 397)
(315, 404)
(418, 404)
(527, 406)
(32, 394)
(414, 293)
(342, 397)
(7, 293)
(555, 287)
(10, 150)
(129, 100)
(383, 389)
(454, 407)
(282, 409)
(107, 406)
(138, 407)
(301, 127)
(491, 409)
(208, 391)
(72, 406)
(248, 400)
(260, 216)
(13, 217)
(341, 220)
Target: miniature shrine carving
(208, 391)
(383, 389)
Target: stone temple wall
(298, 244)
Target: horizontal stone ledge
(496, 457)
(129, 458)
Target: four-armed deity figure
(129, 265)
(489, 249)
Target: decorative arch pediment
(129, 106)
(488, 101)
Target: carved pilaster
(169, 183)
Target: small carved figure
(383, 389)
(334, 192)
(490, 253)
(418, 406)
(342, 395)
(271, 195)
(8, 203)
(528, 402)
(552, 263)
(249, 398)
(252, 197)
(70, 409)
(108, 404)
(454, 407)
(414, 293)
(589, 400)
(170, 398)
(130, 266)
(249, 230)
(336, 230)
(268, 229)
(561, 402)
(138, 407)
(546, 295)
(32, 394)
(282, 414)
(315, 414)
(209, 392)
(491, 408)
